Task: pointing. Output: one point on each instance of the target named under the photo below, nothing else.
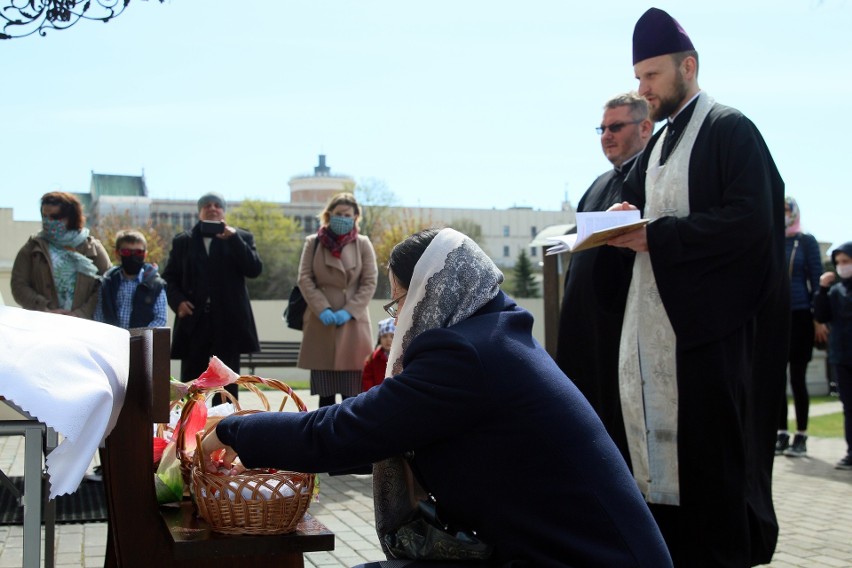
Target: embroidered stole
(647, 360)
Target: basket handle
(251, 383)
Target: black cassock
(720, 275)
(593, 310)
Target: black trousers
(203, 348)
(801, 351)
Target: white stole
(647, 361)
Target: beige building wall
(13, 235)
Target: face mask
(132, 264)
(341, 225)
(53, 228)
(844, 271)
(788, 220)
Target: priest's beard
(669, 104)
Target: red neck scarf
(335, 243)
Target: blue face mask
(53, 228)
(341, 225)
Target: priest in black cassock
(706, 313)
(595, 290)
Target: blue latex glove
(341, 317)
(327, 317)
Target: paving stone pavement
(812, 499)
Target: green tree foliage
(524, 282)
(279, 243)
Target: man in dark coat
(206, 289)
(707, 303)
(593, 302)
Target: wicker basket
(256, 501)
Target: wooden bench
(272, 354)
(141, 533)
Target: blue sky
(464, 103)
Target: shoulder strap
(792, 256)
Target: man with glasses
(206, 289)
(132, 294)
(705, 333)
(593, 302)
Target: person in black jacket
(490, 426)
(206, 289)
(132, 294)
(833, 305)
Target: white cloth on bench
(69, 373)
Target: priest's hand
(634, 240)
(623, 206)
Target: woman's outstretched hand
(211, 448)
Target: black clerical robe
(592, 312)
(720, 276)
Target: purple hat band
(656, 33)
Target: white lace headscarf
(451, 281)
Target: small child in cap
(833, 305)
(374, 367)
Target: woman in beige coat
(58, 270)
(337, 277)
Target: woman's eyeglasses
(392, 307)
(132, 252)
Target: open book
(595, 228)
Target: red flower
(159, 445)
(217, 375)
(193, 420)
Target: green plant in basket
(169, 478)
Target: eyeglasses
(615, 126)
(392, 307)
(132, 252)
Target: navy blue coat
(501, 437)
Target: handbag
(425, 537)
(420, 535)
(294, 311)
